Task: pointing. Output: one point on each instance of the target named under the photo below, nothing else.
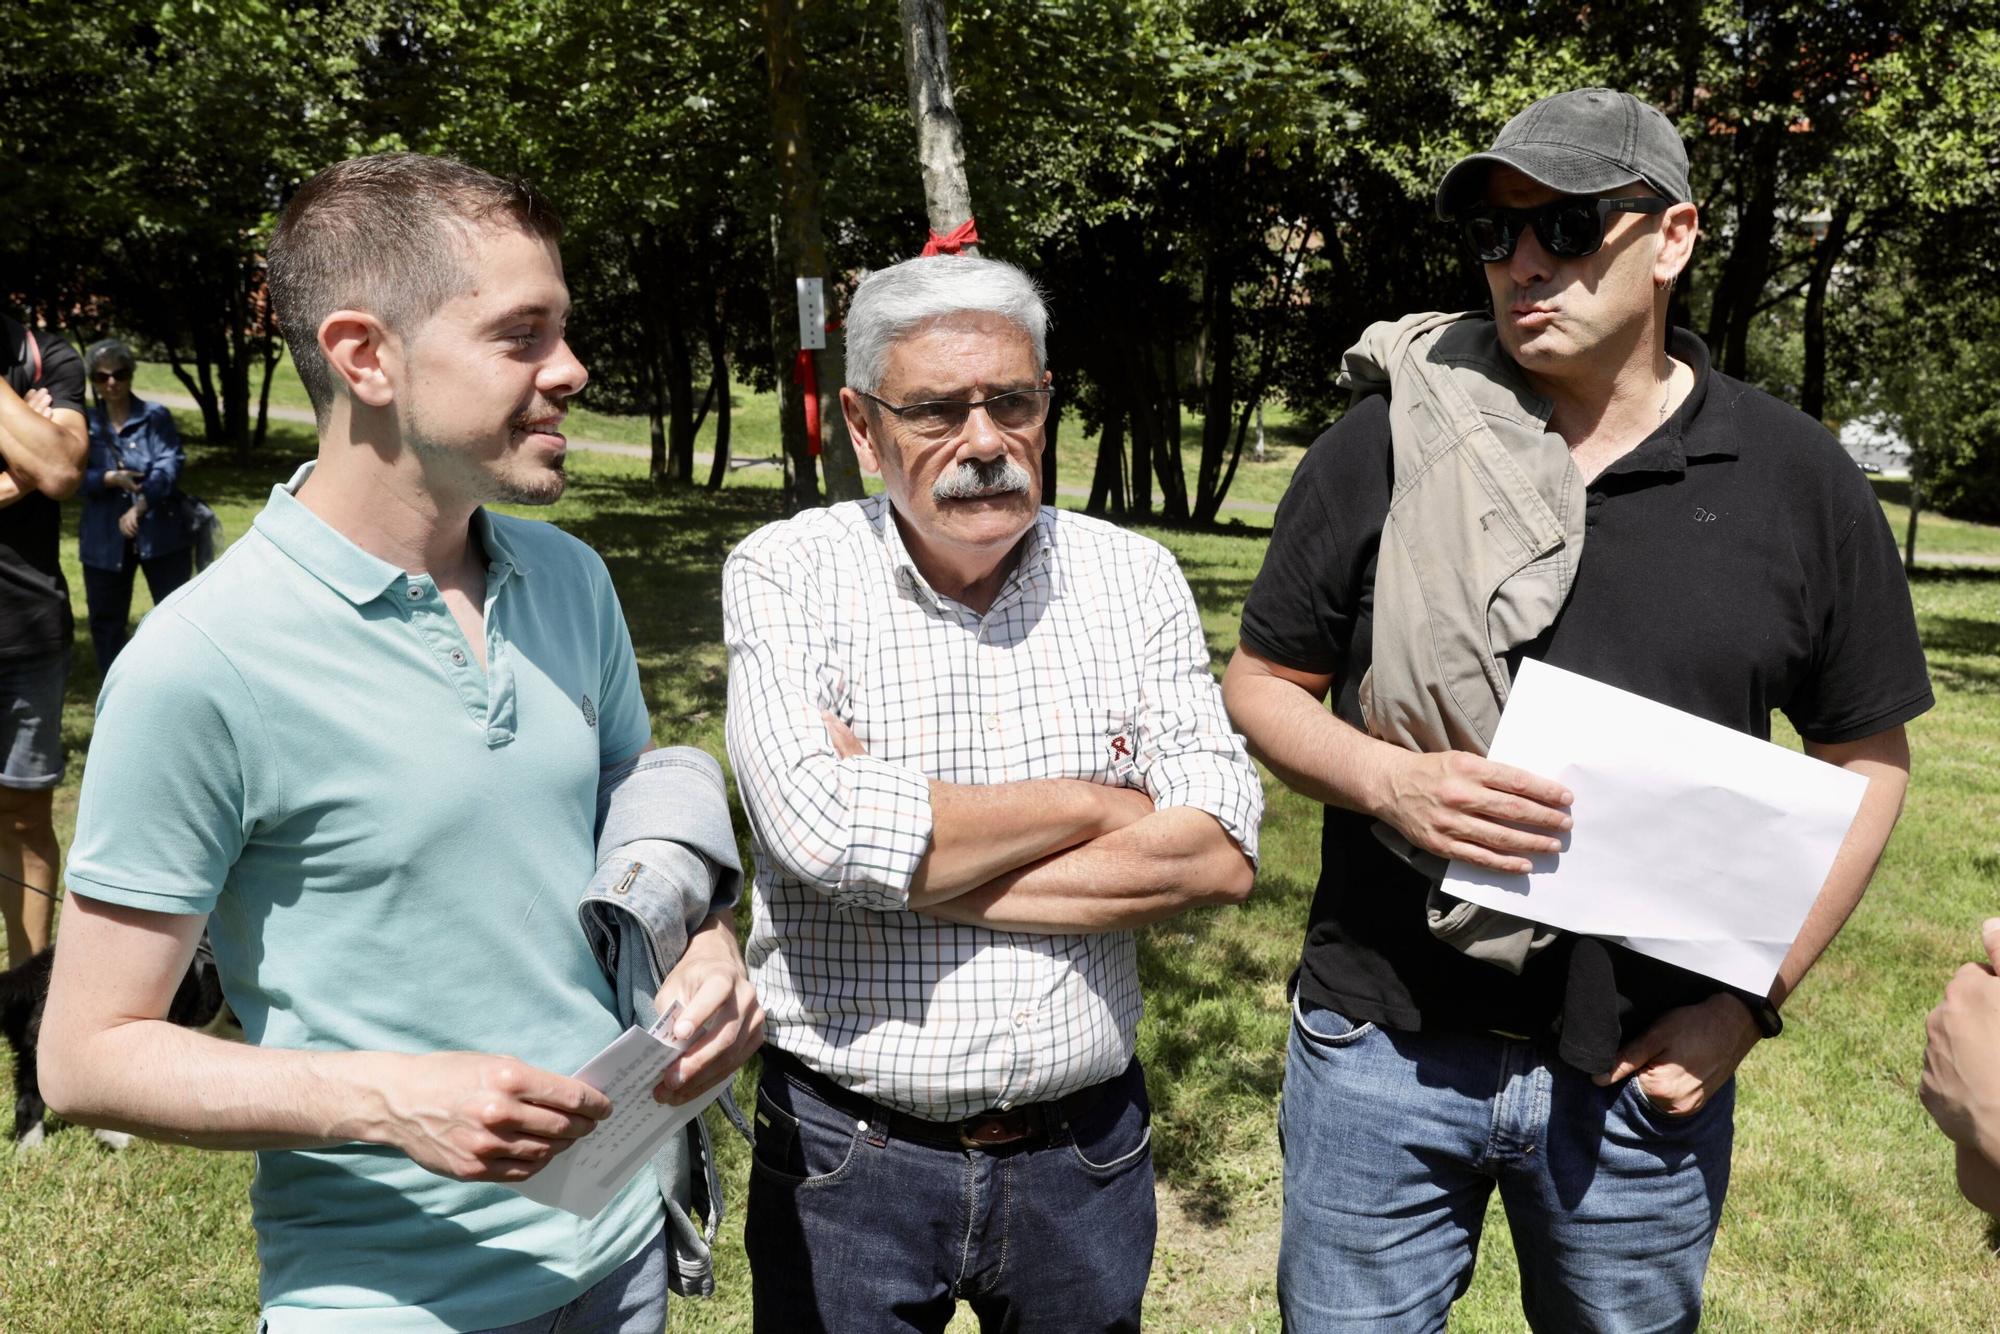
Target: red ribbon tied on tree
(953, 241)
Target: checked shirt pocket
(800, 1151)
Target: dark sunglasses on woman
(1568, 228)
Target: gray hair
(891, 302)
(108, 352)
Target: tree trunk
(940, 140)
(202, 391)
(1140, 501)
(718, 361)
(1812, 385)
(1916, 505)
(657, 470)
(798, 251)
(271, 356)
(680, 398)
(1107, 485)
(1219, 394)
(1750, 258)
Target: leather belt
(1028, 1126)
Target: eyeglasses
(1569, 228)
(106, 377)
(940, 419)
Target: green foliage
(1218, 195)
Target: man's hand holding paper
(1693, 843)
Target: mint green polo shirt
(389, 843)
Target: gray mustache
(981, 477)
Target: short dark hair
(385, 234)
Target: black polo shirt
(35, 617)
(1735, 562)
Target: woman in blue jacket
(133, 517)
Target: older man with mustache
(979, 742)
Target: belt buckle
(990, 1131)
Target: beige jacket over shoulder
(1479, 552)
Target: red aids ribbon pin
(1122, 747)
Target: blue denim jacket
(666, 860)
(147, 443)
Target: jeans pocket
(1650, 1117)
(800, 1151)
(1327, 1028)
(1113, 1135)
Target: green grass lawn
(1842, 1217)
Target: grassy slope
(1842, 1216)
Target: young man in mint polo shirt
(365, 749)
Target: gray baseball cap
(1582, 142)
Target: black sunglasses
(1568, 228)
(1015, 410)
(106, 377)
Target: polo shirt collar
(340, 564)
(1692, 432)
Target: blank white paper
(1692, 843)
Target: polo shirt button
(414, 593)
(1005, 1104)
(458, 657)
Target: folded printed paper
(586, 1176)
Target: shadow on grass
(1964, 654)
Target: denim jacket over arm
(666, 860)
(1478, 554)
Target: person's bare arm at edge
(44, 449)
(1450, 803)
(110, 1059)
(1690, 1052)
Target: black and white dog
(23, 992)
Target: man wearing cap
(1595, 495)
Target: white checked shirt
(1090, 664)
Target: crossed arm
(1461, 805)
(1046, 855)
(43, 446)
(1065, 855)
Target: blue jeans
(631, 1299)
(1394, 1141)
(852, 1229)
(31, 704)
